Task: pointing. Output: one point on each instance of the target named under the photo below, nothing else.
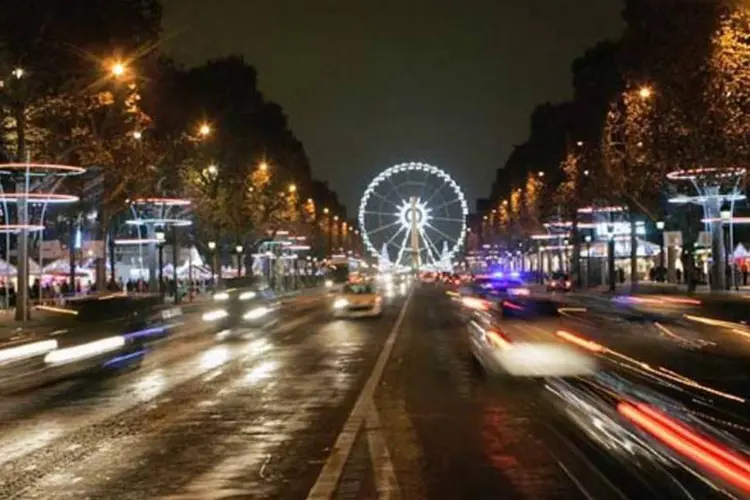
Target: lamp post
(587, 238)
(160, 238)
(726, 218)
(611, 256)
(660, 226)
(238, 248)
(212, 252)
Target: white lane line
(328, 479)
(386, 484)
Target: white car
(357, 300)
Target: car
(357, 300)
(559, 282)
(242, 306)
(500, 349)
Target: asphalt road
(391, 407)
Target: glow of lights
(263, 166)
(592, 209)
(340, 303)
(292, 188)
(692, 174)
(117, 69)
(50, 198)
(688, 443)
(15, 228)
(159, 222)
(548, 236)
(682, 199)
(215, 315)
(214, 357)
(497, 340)
(79, 352)
(263, 370)
(519, 291)
(475, 303)
(26, 351)
(168, 202)
(212, 245)
(204, 129)
(137, 135)
(221, 296)
(580, 342)
(213, 169)
(18, 73)
(256, 313)
(57, 310)
(245, 296)
(645, 92)
(328, 284)
(731, 220)
(135, 241)
(425, 170)
(40, 169)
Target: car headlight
(340, 303)
(328, 283)
(218, 297)
(256, 313)
(247, 295)
(215, 315)
(567, 283)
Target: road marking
(386, 484)
(328, 480)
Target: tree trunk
(101, 259)
(633, 252)
(22, 242)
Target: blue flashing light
(498, 274)
(515, 274)
(124, 359)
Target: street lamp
(238, 248)
(263, 166)
(213, 169)
(292, 188)
(212, 251)
(660, 226)
(540, 173)
(611, 256)
(117, 69)
(587, 238)
(645, 92)
(160, 239)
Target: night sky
(367, 84)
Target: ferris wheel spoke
(449, 202)
(441, 233)
(445, 219)
(390, 241)
(402, 248)
(383, 228)
(424, 184)
(395, 188)
(384, 199)
(430, 246)
(375, 212)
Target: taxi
(357, 300)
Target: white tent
(740, 252)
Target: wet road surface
(391, 407)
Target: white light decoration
(409, 190)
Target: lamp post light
(660, 226)
(160, 239)
(239, 249)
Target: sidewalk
(654, 287)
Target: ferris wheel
(413, 215)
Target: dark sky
(367, 84)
